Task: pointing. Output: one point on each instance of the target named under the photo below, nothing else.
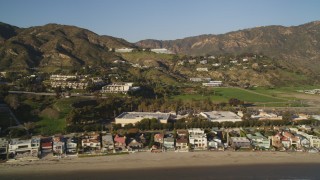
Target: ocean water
(269, 171)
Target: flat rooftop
(221, 115)
(143, 115)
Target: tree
(58, 91)
(13, 101)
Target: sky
(136, 20)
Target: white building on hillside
(162, 51)
(124, 50)
(213, 84)
(121, 87)
(221, 116)
(134, 117)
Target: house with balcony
(107, 143)
(120, 143)
(46, 144)
(182, 140)
(59, 145)
(240, 143)
(3, 148)
(72, 146)
(168, 142)
(91, 143)
(24, 148)
(197, 139)
(259, 141)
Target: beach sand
(140, 165)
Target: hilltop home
(198, 139)
(221, 116)
(134, 117)
(119, 87)
(259, 141)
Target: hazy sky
(135, 20)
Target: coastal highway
(53, 94)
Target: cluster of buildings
(181, 140)
(119, 87)
(158, 50)
(263, 115)
(73, 81)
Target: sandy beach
(147, 161)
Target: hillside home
(203, 62)
(202, 69)
(198, 139)
(124, 50)
(119, 87)
(162, 51)
(213, 84)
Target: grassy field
(49, 125)
(225, 93)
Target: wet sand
(171, 165)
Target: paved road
(53, 94)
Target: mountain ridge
(291, 45)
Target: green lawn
(48, 126)
(224, 94)
(280, 91)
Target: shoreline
(145, 160)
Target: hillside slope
(294, 47)
(54, 45)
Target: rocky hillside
(296, 47)
(54, 45)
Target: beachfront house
(59, 145)
(3, 148)
(72, 146)
(120, 143)
(259, 141)
(182, 140)
(107, 143)
(134, 144)
(46, 144)
(24, 148)
(168, 142)
(198, 139)
(90, 143)
(240, 143)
